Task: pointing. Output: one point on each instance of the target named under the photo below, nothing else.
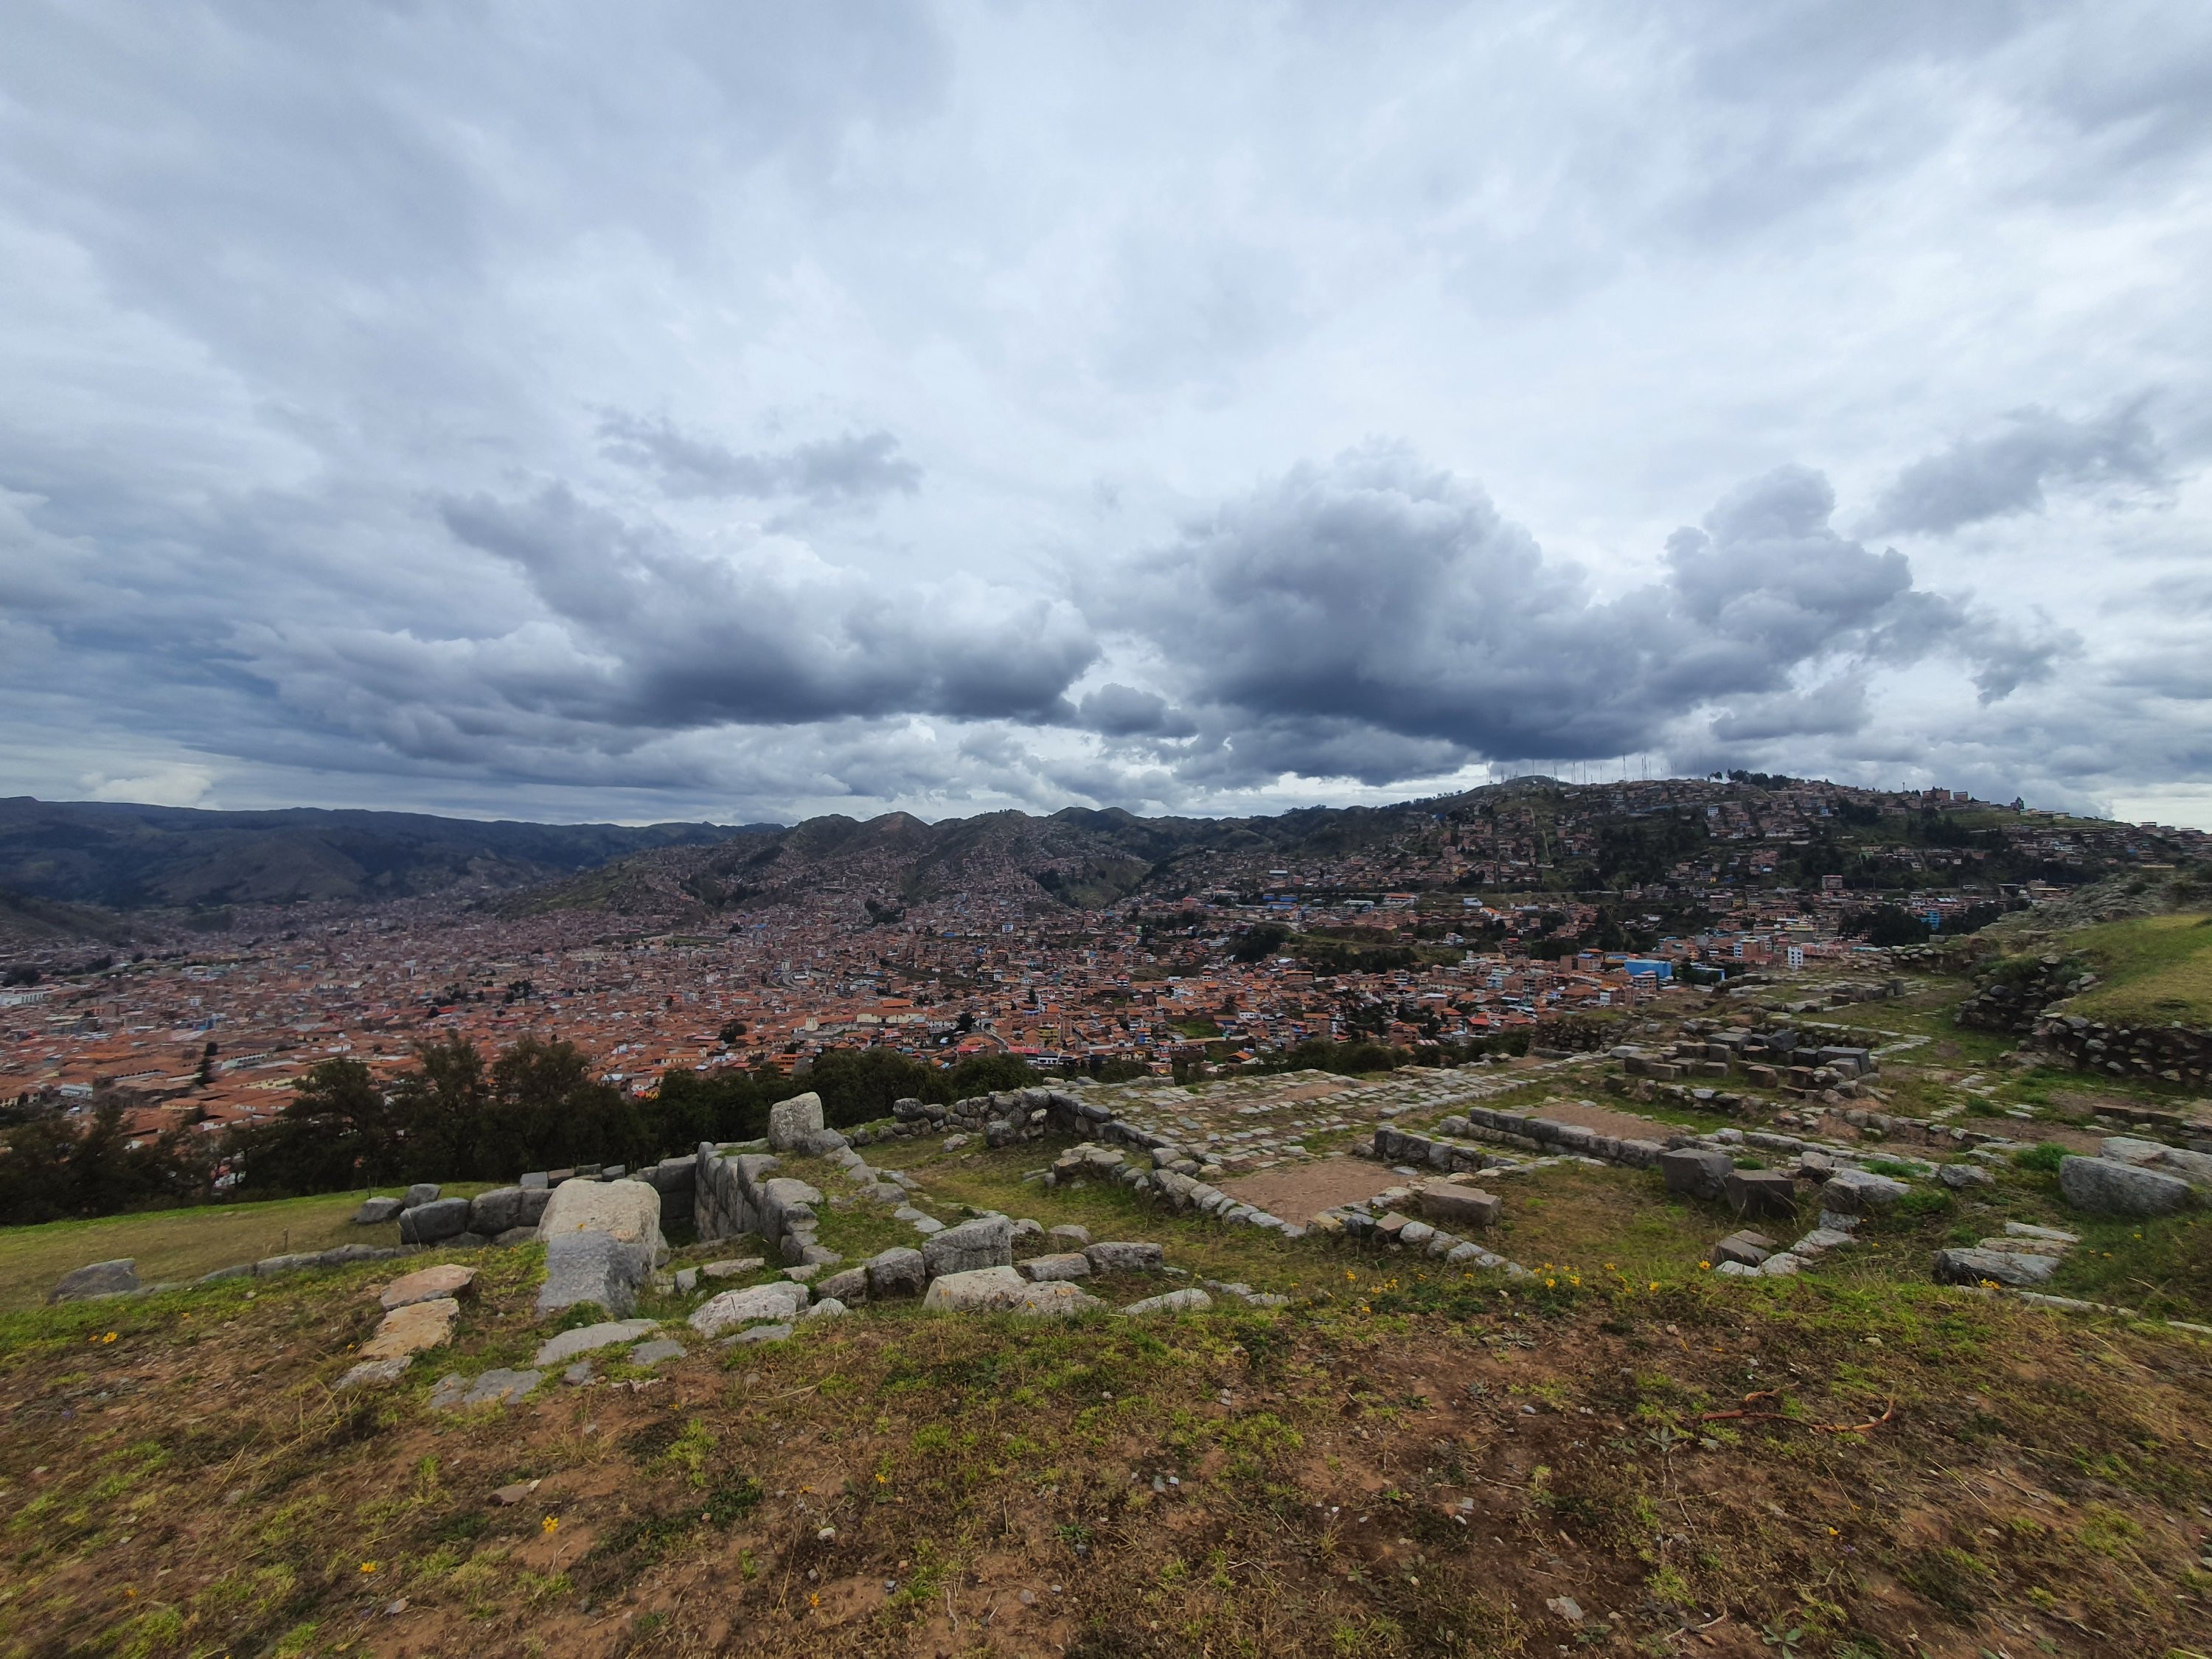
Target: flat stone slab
(371, 1373)
(2007, 1267)
(1189, 1301)
(2102, 1187)
(1459, 1206)
(1041, 1268)
(1002, 1290)
(96, 1280)
(780, 1300)
(651, 1353)
(1746, 1249)
(735, 1268)
(1125, 1257)
(780, 1332)
(493, 1388)
(447, 1279)
(408, 1331)
(559, 1350)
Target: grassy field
(2153, 967)
(1422, 1464)
(180, 1244)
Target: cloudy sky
(579, 412)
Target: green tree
(339, 1131)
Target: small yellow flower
(368, 1566)
(814, 1601)
(550, 1523)
(1655, 1284)
(1551, 1283)
(1609, 1268)
(1705, 1267)
(882, 1481)
(110, 1337)
(1832, 1533)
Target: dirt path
(1604, 1120)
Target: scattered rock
(778, 1333)
(566, 1344)
(2102, 1187)
(1069, 1233)
(1190, 1301)
(2195, 1168)
(1957, 1176)
(2014, 1268)
(1746, 1248)
(848, 1287)
(1001, 1289)
(372, 1372)
(494, 1388)
(733, 1269)
(896, 1272)
(828, 1307)
(446, 1278)
(1696, 1171)
(375, 1211)
(514, 1493)
(1125, 1257)
(1567, 1608)
(780, 1300)
(408, 1331)
(423, 1191)
(96, 1280)
(1782, 1266)
(986, 1241)
(1857, 1192)
(579, 1375)
(687, 1280)
(1459, 1206)
(651, 1353)
(1041, 1269)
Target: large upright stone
(425, 1223)
(99, 1278)
(596, 1268)
(791, 1122)
(986, 1241)
(896, 1272)
(628, 1211)
(1459, 1206)
(2102, 1187)
(1696, 1171)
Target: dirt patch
(1300, 1192)
(1600, 1120)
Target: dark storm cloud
(1379, 600)
(1122, 711)
(860, 466)
(1990, 477)
(680, 636)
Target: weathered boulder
(493, 1213)
(559, 1350)
(407, 1331)
(2195, 1168)
(1696, 1171)
(1959, 1176)
(1189, 1301)
(596, 1268)
(651, 1353)
(96, 1280)
(1038, 1269)
(1860, 1192)
(1001, 1289)
(790, 1121)
(1069, 1233)
(375, 1211)
(427, 1285)
(628, 1210)
(1745, 1248)
(423, 1191)
(896, 1272)
(848, 1287)
(779, 1300)
(1761, 1193)
(1459, 1206)
(1125, 1257)
(2011, 1268)
(2102, 1187)
(986, 1241)
(439, 1219)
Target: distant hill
(125, 857)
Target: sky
(743, 412)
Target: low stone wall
(1445, 1152)
(2172, 1053)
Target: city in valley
(1087, 945)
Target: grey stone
(1782, 1266)
(1761, 1193)
(1818, 1242)
(628, 1210)
(596, 1268)
(1069, 1233)
(96, 1280)
(579, 1373)
(896, 1272)
(848, 1287)
(535, 1181)
(518, 1236)
(1001, 1289)
(493, 1388)
(425, 1223)
(2103, 1187)
(652, 1352)
(2049, 1234)
(1125, 1257)
(534, 1202)
(1696, 1171)
(2195, 1168)
(778, 1299)
(493, 1213)
(1746, 1249)
(2017, 1269)
(372, 1373)
(986, 1241)
(828, 1307)
(566, 1344)
(1859, 1191)
(423, 1191)
(822, 1143)
(1071, 1265)
(375, 1211)
(1459, 1206)
(789, 1122)
(1960, 1176)
(1189, 1301)
(687, 1280)
(1734, 1270)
